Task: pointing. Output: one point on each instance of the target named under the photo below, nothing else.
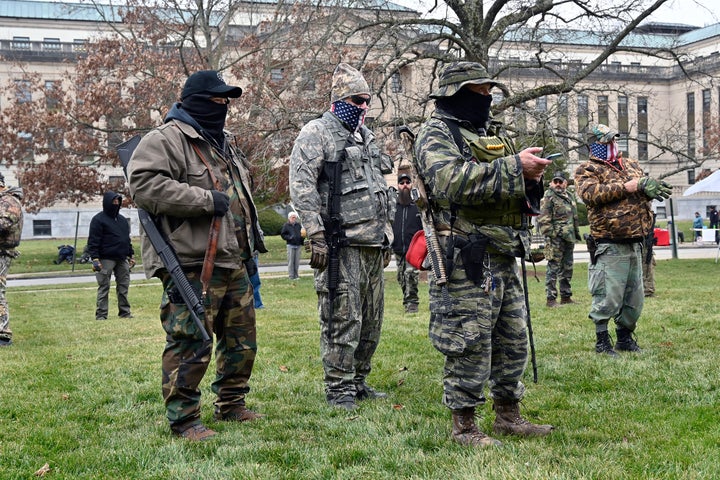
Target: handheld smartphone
(553, 156)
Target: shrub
(271, 222)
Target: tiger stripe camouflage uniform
(558, 223)
(11, 223)
(619, 220)
(477, 195)
(349, 339)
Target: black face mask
(209, 115)
(467, 105)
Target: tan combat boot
(508, 421)
(465, 432)
(551, 303)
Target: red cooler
(663, 236)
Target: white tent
(707, 184)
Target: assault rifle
(419, 196)
(164, 249)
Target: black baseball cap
(209, 82)
(559, 175)
(404, 176)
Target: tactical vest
(359, 182)
(11, 209)
(485, 149)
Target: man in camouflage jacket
(558, 223)
(350, 328)
(186, 172)
(618, 197)
(11, 223)
(478, 187)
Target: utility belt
(472, 251)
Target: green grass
(36, 256)
(84, 396)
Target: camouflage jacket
(366, 207)
(482, 192)
(558, 216)
(613, 213)
(11, 219)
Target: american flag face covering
(348, 113)
(607, 152)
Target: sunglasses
(359, 100)
(404, 182)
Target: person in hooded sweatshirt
(186, 172)
(111, 251)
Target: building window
(623, 125)
(563, 120)
(642, 120)
(25, 146)
(42, 228)
(23, 93)
(583, 113)
(56, 140)
(20, 43)
(277, 75)
(541, 104)
(691, 125)
(51, 44)
(396, 85)
(603, 110)
(706, 119)
(79, 45)
(691, 177)
(52, 102)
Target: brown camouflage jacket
(613, 213)
(11, 218)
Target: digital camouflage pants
(559, 255)
(5, 331)
(349, 339)
(230, 315)
(483, 335)
(407, 277)
(615, 283)
(121, 269)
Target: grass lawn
(84, 396)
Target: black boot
(625, 341)
(604, 345)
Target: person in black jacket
(111, 251)
(407, 222)
(292, 233)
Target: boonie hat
(602, 134)
(457, 75)
(210, 82)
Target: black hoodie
(109, 235)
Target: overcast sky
(689, 12)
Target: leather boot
(625, 342)
(551, 303)
(465, 432)
(508, 421)
(566, 300)
(604, 345)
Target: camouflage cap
(457, 75)
(347, 81)
(559, 176)
(602, 134)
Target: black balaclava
(208, 114)
(467, 105)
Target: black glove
(221, 202)
(318, 251)
(96, 265)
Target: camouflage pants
(121, 269)
(615, 283)
(482, 335)
(407, 277)
(231, 316)
(5, 331)
(349, 339)
(559, 255)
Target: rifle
(164, 249)
(419, 196)
(531, 337)
(334, 234)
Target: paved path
(690, 251)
